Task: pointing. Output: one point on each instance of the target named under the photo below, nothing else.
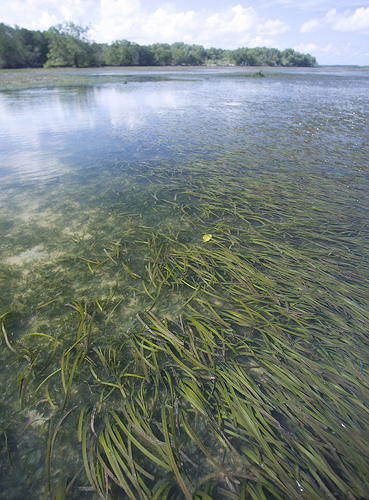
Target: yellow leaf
(207, 237)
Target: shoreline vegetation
(68, 45)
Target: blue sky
(334, 31)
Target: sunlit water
(311, 120)
(62, 148)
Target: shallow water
(96, 174)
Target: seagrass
(240, 367)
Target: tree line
(67, 45)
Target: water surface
(108, 187)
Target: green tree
(260, 56)
(242, 57)
(264, 56)
(214, 56)
(184, 54)
(288, 57)
(292, 58)
(32, 48)
(196, 54)
(178, 53)
(8, 49)
(21, 48)
(68, 46)
(141, 55)
(273, 57)
(97, 55)
(162, 54)
(119, 54)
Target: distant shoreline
(341, 66)
(186, 67)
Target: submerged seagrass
(233, 367)
(184, 286)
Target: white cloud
(311, 25)
(41, 14)
(231, 27)
(273, 27)
(319, 23)
(73, 9)
(119, 19)
(46, 20)
(312, 48)
(259, 41)
(235, 20)
(124, 19)
(358, 21)
(118, 8)
(163, 25)
(346, 21)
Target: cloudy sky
(334, 31)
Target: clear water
(69, 154)
(316, 119)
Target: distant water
(310, 119)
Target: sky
(334, 31)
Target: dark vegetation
(67, 45)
